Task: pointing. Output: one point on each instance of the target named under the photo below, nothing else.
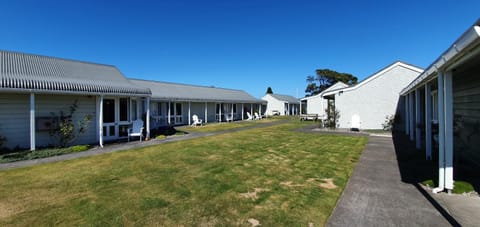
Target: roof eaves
(469, 40)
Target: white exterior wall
(15, 120)
(46, 104)
(375, 99)
(274, 104)
(316, 105)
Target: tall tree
(324, 78)
(269, 90)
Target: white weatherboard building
(281, 104)
(317, 104)
(32, 87)
(175, 104)
(443, 104)
(367, 104)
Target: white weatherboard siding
(317, 104)
(47, 104)
(374, 100)
(274, 105)
(466, 109)
(15, 120)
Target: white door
(356, 121)
(109, 119)
(115, 118)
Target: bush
(42, 153)
(389, 121)
(65, 131)
(160, 137)
(333, 115)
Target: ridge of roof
(57, 58)
(378, 73)
(24, 72)
(184, 84)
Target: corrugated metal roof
(286, 98)
(185, 92)
(20, 72)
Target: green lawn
(273, 175)
(215, 127)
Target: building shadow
(415, 169)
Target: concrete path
(108, 148)
(376, 196)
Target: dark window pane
(123, 130)
(172, 108)
(159, 109)
(124, 109)
(108, 110)
(179, 109)
(112, 130)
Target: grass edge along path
(272, 175)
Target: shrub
(42, 153)
(79, 148)
(333, 115)
(389, 121)
(65, 131)
(160, 137)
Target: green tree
(324, 78)
(269, 90)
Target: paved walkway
(108, 148)
(376, 196)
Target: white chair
(250, 117)
(196, 121)
(257, 116)
(136, 130)
(228, 117)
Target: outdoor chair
(196, 121)
(257, 116)
(228, 117)
(250, 117)
(136, 130)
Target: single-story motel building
(283, 105)
(438, 108)
(33, 87)
(443, 105)
(367, 104)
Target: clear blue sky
(242, 44)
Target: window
(178, 109)
(134, 110)
(435, 105)
(123, 109)
(108, 110)
(171, 110)
(159, 109)
(234, 108)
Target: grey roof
(27, 72)
(195, 93)
(286, 98)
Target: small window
(134, 110)
(178, 109)
(123, 109)
(435, 105)
(159, 109)
(171, 110)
